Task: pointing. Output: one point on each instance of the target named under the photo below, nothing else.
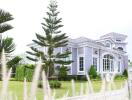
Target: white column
(84, 60)
(110, 65)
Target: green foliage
(4, 17)
(92, 72)
(28, 74)
(76, 77)
(81, 78)
(24, 71)
(70, 77)
(62, 75)
(51, 39)
(7, 44)
(13, 63)
(119, 77)
(53, 84)
(98, 77)
(20, 73)
(125, 73)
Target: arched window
(120, 48)
(108, 64)
(108, 44)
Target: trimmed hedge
(76, 77)
(24, 71)
(53, 84)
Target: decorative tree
(92, 72)
(4, 17)
(7, 43)
(14, 63)
(52, 38)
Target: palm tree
(8, 45)
(4, 17)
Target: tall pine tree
(52, 38)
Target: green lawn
(17, 88)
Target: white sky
(89, 18)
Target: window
(118, 40)
(95, 63)
(120, 48)
(108, 63)
(57, 67)
(81, 64)
(108, 45)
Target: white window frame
(107, 42)
(105, 64)
(78, 56)
(81, 64)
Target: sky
(81, 18)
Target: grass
(16, 88)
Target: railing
(121, 94)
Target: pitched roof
(114, 35)
(82, 40)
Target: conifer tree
(51, 39)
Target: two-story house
(107, 54)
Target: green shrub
(119, 77)
(53, 84)
(40, 85)
(81, 78)
(125, 73)
(70, 77)
(75, 77)
(62, 75)
(92, 72)
(98, 77)
(29, 74)
(24, 71)
(20, 73)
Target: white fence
(121, 94)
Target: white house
(106, 54)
